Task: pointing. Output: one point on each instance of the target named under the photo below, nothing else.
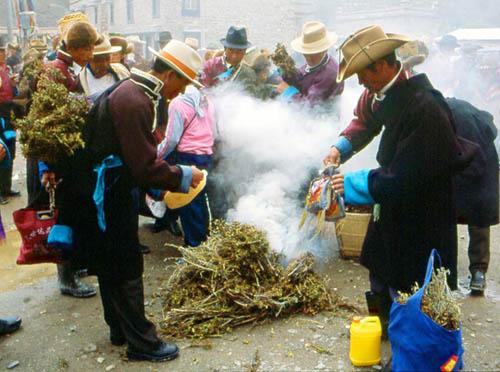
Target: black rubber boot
(379, 304)
(9, 324)
(71, 285)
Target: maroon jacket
(64, 63)
(318, 84)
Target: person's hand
(197, 176)
(282, 86)
(14, 80)
(3, 152)
(49, 178)
(338, 183)
(333, 157)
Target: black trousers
(479, 248)
(123, 303)
(33, 184)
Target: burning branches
(234, 279)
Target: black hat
(164, 37)
(236, 38)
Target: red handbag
(34, 226)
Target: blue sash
(111, 161)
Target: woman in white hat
(100, 73)
(316, 80)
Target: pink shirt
(191, 125)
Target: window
(111, 12)
(191, 8)
(130, 11)
(156, 8)
(96, 15)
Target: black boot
(379, 304)
(477, 283)
(9, 324)
(163, 352)
(71, 285)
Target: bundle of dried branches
(282, 59)
(52, 128)
(233, 279)
(437, 301)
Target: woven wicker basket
(351, 232)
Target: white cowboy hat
(182, 58)
(314, 39)
(105, 47)
(192, 42)
(365, 47)
(135, 39)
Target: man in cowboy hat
(230, 66)
(76, 50)
(120, 41)
(315, 81)
(120, 145)
(100, 73)
(412, 189)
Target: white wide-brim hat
(314, 39)
(365, 47)
(105, 47)
(182, 58)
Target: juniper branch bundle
(437, 301)
(282, 59)
(233, 279)
(53, 125)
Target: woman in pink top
(189, 140)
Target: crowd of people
(152, 128)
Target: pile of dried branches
(233, 279)
(52, 128)
(282, 59)
(437, 301)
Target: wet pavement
(63, 333)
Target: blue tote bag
(417, 342)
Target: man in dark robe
(120, 155)
(412, 189)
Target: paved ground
(62, 333)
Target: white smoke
(268, 150)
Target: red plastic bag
(34, 226)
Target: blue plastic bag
(417, 342)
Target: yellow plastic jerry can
(366, 334)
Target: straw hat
(119, 41)
(175, 200)
(314, 39)
(135, 39)
(413, 53)
(65, 22)
(105, 47)
(39, 45)
(182, 58)
(366, 46)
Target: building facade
(267, 21)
